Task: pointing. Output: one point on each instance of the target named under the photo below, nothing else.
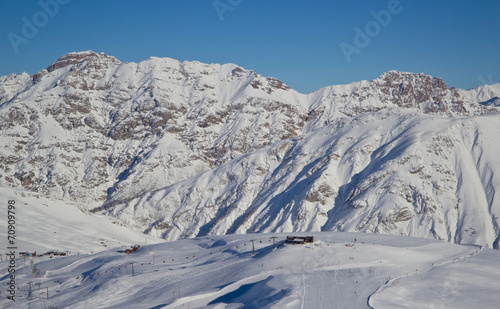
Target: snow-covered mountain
(183, 149)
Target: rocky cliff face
(182, 149)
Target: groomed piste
(338, 270)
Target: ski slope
(375, 271)
(44, 224)
(343, 270)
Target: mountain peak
(394, 76)
(77, 57)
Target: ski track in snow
(396, 280)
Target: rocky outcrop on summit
(421, 91)
(182, 149)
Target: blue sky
(298, 42)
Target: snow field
(378, 271)
(44, 224)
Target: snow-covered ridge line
(183, 149)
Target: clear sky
(306, 44)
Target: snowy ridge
(183, 149)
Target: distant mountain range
(183, 149)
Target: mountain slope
(43, 224)
(413, 175)
(183, 149)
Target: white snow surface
(44, 224)
(339, 270)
